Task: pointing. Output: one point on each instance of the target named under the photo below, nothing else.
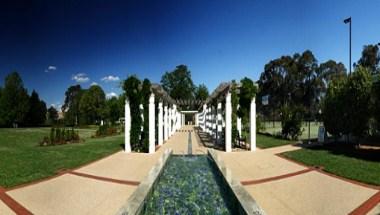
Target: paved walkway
(278, 185)
(97, 188)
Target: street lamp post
(348, 20)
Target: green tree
(70, 108)
(92, 105)
(37, 110)
(346, 108)
(178, 83)
(376, 104)
(333, 106)
(357, 100)
(52, 115)
(112, 110)
(370, 58)
(14, 101)
(201, 92)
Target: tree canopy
(37, 110)
(92, 104)
(14, 101)
(201, 92)
(178, 83)
(70, 108)
(370, 58)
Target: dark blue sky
(218, 40)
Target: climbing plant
(234, 104)
(137, 94)
(248, 91)
(145, 94)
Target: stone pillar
(166, 135)
(252, 127)
(152, 126)
(160, 124)
(219, 123)
(183, 119)
(196, 119)
(228, 135)
(127, 127)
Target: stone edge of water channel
(135, 202)
(246, 201)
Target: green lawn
(264, 141)
(357, 164)
(23, 160)
(305, 134)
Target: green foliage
(346, 108)
(178, 83)
(138, 94)
(145, 94)
(291, 121)
(92, 104)
(59, 136)
(70, 107)
(14, 101)
(201, 92)
(357, 100)
(333, 107)
(370, 58)
(111, 110)
(234, 104)
(106, 130)
(37, 110)
(52, 115)
(376, 106)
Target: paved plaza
(278, 185)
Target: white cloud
(80, 78)
(50, 68)
(111, 94)
(110, 78)
(93, 84)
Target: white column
(170, 122)
(196, 119)
(252, 127)
(238, 125)
(228, 122)
(219, 123)
(174, 118)
(204, 118)
(127, 127)
(166, 123)
(183, 120)
(210, 121)
(160, 124)
(152, 127)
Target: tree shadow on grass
(349, 150)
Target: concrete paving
(122, 166)
(375, 210)
(70, 194)
(257, 165)
(4, 209)
(309, 193)
(279, 186)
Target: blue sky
(218, 40)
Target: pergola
(208, 117)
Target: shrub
(60, 136)
(291, 121)
(105, 130)
(346, 108)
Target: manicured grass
(264, 141)
(23, 160)
(358, 164)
